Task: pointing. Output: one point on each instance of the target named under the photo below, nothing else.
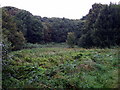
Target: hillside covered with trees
(99, 28)
(42, 52)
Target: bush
(71, 39)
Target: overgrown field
(59, 67)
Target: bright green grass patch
(63, 68)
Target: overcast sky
(73, 9)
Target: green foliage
(101, 28)
(11, 32)
(90, 31)
(63, 68)
(58, 28)
(77, 56)
(43, 30)
(71, 39)
(30, 25)
(6, 47)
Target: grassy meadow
(57, 66)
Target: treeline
(99, 28)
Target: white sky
(73, 9)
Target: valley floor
(62, 67)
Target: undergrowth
(64, 68)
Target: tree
(30, 26)
(11, 32)
(47, 32)
(102, 27)
(71, 39)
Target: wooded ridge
(99, 28)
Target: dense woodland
(54, 67)
(99, 28)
